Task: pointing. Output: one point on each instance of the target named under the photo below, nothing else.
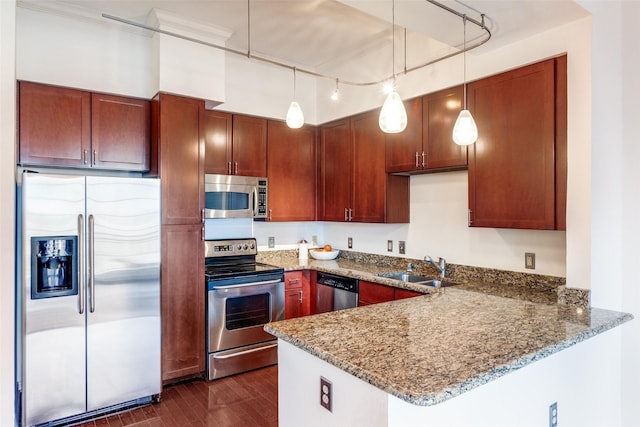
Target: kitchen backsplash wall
(438, 228)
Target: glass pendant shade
(465, 131)
(393, 116)
(295, 118)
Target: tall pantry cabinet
(177, 157)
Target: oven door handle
(247, 285)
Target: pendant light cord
(464, 58)
(294, 83)
(393, 41)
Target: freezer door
(123, 318)
(53, 329)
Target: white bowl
(323, 255)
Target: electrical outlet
(314, 241)
(326, 395)
(553, 414)
(401, 247)
(272, 242)
(350, 242)
(530, 260)
(389, 245)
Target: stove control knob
(252, 246)
(245, 247)
(239, 247)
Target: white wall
(582, 379)
(615, 177)
(83, 53)
(7, 212)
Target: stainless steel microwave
(234, 196)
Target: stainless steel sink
(409, 277)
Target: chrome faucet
(410, 267)
(441, 265)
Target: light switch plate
(389, 245)
(401, 247)
(350, 242)
(272, 242)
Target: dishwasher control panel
(339, 282)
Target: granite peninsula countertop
(431, 348)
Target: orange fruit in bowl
(327, 248)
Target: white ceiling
(320, 34)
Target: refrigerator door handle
(81, 263)
(92, 281)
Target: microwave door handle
(254, 195)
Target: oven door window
(247, 311)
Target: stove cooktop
(212, 272)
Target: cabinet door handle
(95, 155)
(202, 214)
(229, 167)
(423, 159)
(350, 214)
(300, 292)
(346, 218)
(469, 217)
(84, 156)
(235, 172)
(417, 164)
(270, 216)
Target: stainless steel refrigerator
(89, 296)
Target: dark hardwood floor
(248, 399)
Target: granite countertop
(367, 267)
(430, 348)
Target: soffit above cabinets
(323, 35)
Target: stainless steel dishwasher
(335, 292)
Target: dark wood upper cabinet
(291, 170)
(217, 129)
(234, 144)
(120, 132)
(334, 181)
(426, 145)
(353, 184)
(180, 151)
(439, 113)
(376, 196)
(249, 146)
(54, 126)
(517, 168)
(404, 149)
(66, 127)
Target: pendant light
(393, 116)
(295, 118)
(465, 131)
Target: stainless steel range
(242, 296)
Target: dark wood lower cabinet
(183, 299)
(296, 294)
(375, 293)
